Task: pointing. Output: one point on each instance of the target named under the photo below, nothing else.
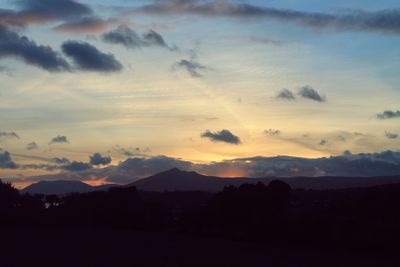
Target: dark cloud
(84, 25)
(131, 151)
(384, 21)
(98, 159)
(323, 142)
(272, 132)
(388, 114)
(310, 93)
(285, 94)
(32, 146)
(76, 166)
(6, 161)
(386, 163)
(43, 11)
(60, 160)
(142, 167)
(222, 136)
(9, 134)
(391, 135)
(59, 139)
(21, 47)
(129, 38)
(191, 66)
(88, 57)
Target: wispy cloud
(384, 21)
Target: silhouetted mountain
(177, 180)
(62, 187)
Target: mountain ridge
(178, 180)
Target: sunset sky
(194, 80)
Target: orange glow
(95, 182)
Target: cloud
(60, 160)
(323, 142)
(127, 37)
(88, 57)
(84, 25)
(76, 166)
(310, 93)
(43, 11)
(191, 66)
(384, 21)
(267, 41)
(142, 167)
(21, 47)
(98, 159)
(388, 114)
(272, 132)
(6, 161)
(32, 146)
(59, 139)
(384, 163)
(391, 135)
(9, 134)
(131, 151)
(285, 94)
(222, 136)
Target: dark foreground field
(78, 247)
(249, 225)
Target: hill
(177, 180)
(62, 187)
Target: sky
(88, 86)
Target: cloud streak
(43, 11)
(84, 25)
(384, 21)
(191, 66)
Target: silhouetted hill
(62, 187)
(177, 180)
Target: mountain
(177, 180)
(61, 187)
